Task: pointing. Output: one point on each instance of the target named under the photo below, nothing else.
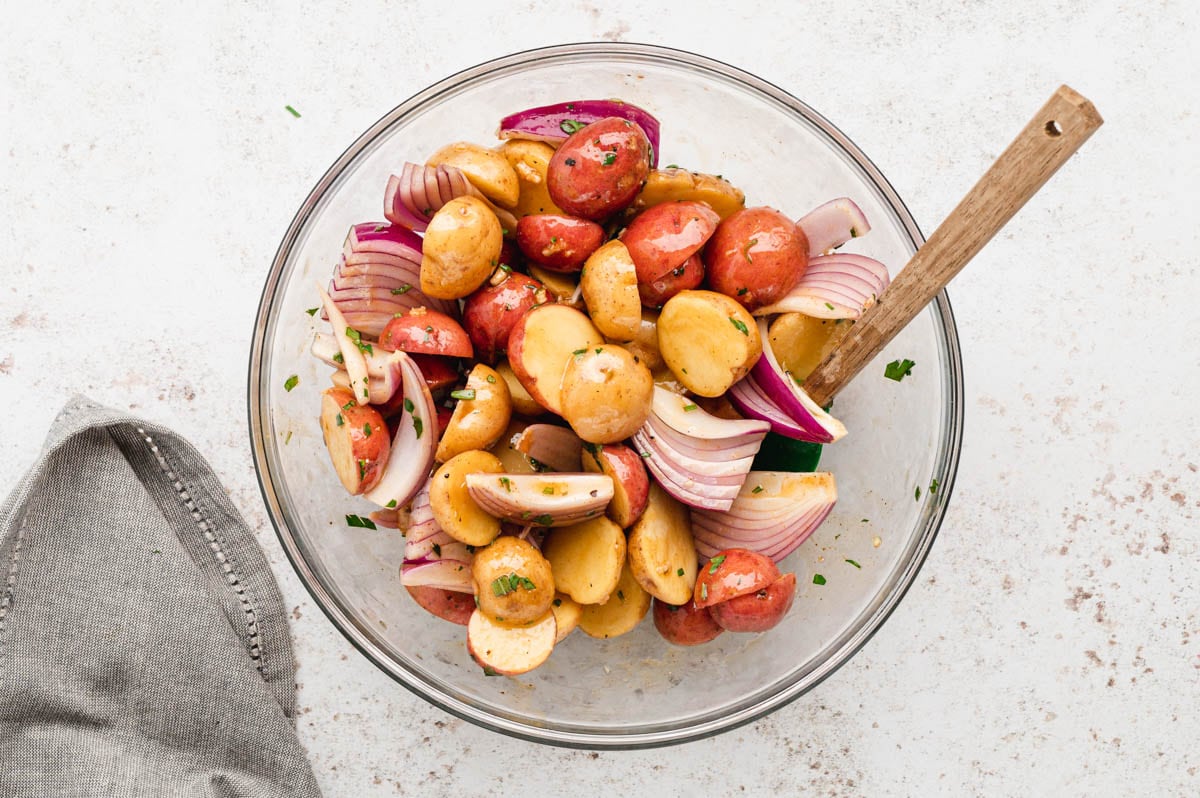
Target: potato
(449, 605)
(624, 609)
(631, 483)
(461, 248)
(644, 345)
(801, 342)
(488, 171)
(566, 613)
(686, 624)
(562, 286)
(483, 411)
(606, 393)
(529, 160)
(600, 168)
(426, 332)
(523, 404)
(708, 340)
(513, 460)
(672, 183)
(586, 559)
(758, 611)
(662, 238)
(610, 291)
(732, 573)
(490, 312)
(510, 650)
(513, 581)
(453, 508)
(557, 242)
(439, 372)
(357, 440)
(756, 256)
(685, 277)
(542, 343)
(662, 554)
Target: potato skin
(708, 341)
(488, 171)
(661, 238)
(504, 603)
(426, 332)
(606, 394)
(685, 625)
(449, 605)
(756, 256)
(600, 168)
(557, 242)
(477, 423)
(610, 291)
(732, 573)
(682, 278)
(357, 439)
(631, 483)
(540, 346)
(490, 313)
(461, 248)
(671, 184)
(757, 611)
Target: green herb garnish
(570, 126)
(408, 405)
(544, 519)
(391, 505)
(506, 483)
(715, 563)
(367, 430)
(404, 289)
(757, 489)
(464, 393)
(610, 159)
(933, 486)
(852, 562)
(491, 379)
(548, 490)
(312, 311)
(679, 572)
(359, 522)
(418, 425)
(292, 111)
(818, 579)
(690, 408)
(898, 369)
(291, 382)
(741, 325)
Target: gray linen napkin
(144, 648)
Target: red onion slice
(385, 377)
(422, 524)
(727, 448)
(389, 239)
(553, 123)
(685, 416)
(414, 444)
(437, 547)
(446, 574)
(838, 286)
(829, 226)
(541, 499)
(558, 448)
(352, 356)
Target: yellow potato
(479, 422)
(453, 508)
(522, 403)
(644, 345)
(708, 340)
(529, 160)
(801, 342)
(461, 248)
(513, 581)
(561, 285)
(566, 612)
(509, 650)
(541, 345)
(514, 460)
(488, 171)
(605, 393)
(610, 291)
(662, 553)
(586, 558)
(624, 609)
(669, 185)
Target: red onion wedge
(352, 355)
(683, 415)
(556, 499)
(772, 394)
(413, 446)
(774, 512)
(388, 239)
(384, 375)
(439, 546)
(421, 523)
(555, 447)
(412, 198)
(829, 226)
(837, 286)
(553, 123)
(447, 574)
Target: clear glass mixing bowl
(635, 690)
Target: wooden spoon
(1062, 125)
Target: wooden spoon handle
(1063, 124)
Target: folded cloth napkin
(144, 648)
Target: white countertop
(1051, 645)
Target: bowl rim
(606, 739)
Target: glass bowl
(895, 469)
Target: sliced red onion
(829, 226)
(734, 448)
(798, 503)
(553, 123)
(437, 547)
(447, 574)
(384, 373)
(412, 198)
(389, 239)
(556, 499)
(770, 393)
(558, 448)
(421, 524)
(352, 356)
(837, 286)
(352, 259)
(685, 416)
(413, 446)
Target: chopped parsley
(852, 562)
(491, 378)
(408, 405)
(741, 325)
(292, 111)
(404, 289)
(437, 550)
(545, 519)
(715, 563)
(818, 579)
(829, 305)
(312, 311)
(689, 408)
(418, 425)
(933, 485)
(465, 393)
(610, 159)
(339, 358)
(917, 493)
(366, 430)
(757, 489)
(679, 572)
(340, 421)
(743, 291)
(898, 369)
(291, 382)
(355, 336)
(359, 522)
(570, 126)
(506, 483)
(391, 505)
(503, 585)
(548, 490)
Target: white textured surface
(1052, 643)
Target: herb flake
(359, 522)
(465, 393)
(716, 563)
(291, 382)
(818, 579)
(855, 564)
(741, 326)
(898, 369)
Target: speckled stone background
(1051, 646)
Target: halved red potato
(490, 313)
(439, 372)
(610, 290)
(661, 238)
(427, 332)
(626, 606)
(586, 558)
(557, 242)
(732, 573)
(455, 511)
(541, 345)
(756, 256)
(631, 484)
(686, 624)
(600, 168)
(510, 650)
(662, 554)
(357, 439)
(449, 605)
(513, 581)
(685, 277)
(483, 411)
(757, 611)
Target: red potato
(631, 484)
(558, 243)
(449, 605)
(510, 650)
(661, 238)
(426, 332)
(490, 313)
(686, 625)
(542, 343)
(756, 256)
(732, 573)
(357, 440)
(682, 278)
(757, 611)
(439, 372)
(600, 168)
